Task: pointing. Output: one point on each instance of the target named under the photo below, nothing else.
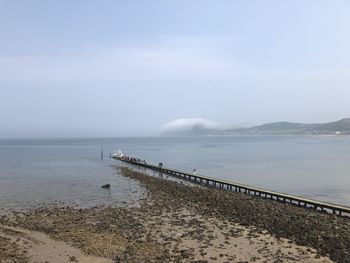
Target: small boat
(118, 154)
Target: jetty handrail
(248, 189)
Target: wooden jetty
(243, 188)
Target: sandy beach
(175, 222)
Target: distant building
(338, 132)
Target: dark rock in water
(106, 186)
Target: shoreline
(181, 223)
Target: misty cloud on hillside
(188, 126)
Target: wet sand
(30, 246)
(179, 223)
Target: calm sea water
(70, 170)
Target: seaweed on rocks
(328, 234)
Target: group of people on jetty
(132, 159)
(121, 156)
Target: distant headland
(340, 127)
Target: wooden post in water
(102, 150)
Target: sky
(129, 68)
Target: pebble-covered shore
(177, 222)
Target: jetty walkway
(242, 188)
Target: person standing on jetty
(194, 171)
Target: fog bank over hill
(203, 127)
(189, 127)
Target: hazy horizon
(176, 128)
(116, 68)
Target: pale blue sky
(125, 68)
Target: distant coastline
(340, 127)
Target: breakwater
(242, 188)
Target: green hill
(286, 128)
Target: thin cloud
(175, 58)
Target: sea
(70, 171)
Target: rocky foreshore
(178, 222)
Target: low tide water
(70, 170)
